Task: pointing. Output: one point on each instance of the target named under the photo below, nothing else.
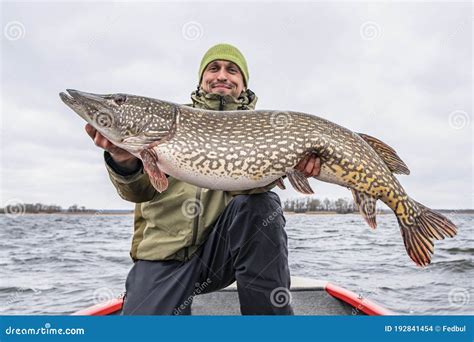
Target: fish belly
(170, 164)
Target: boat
(308, 297)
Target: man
(189, 240)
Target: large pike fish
(240, 150)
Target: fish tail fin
(419, 231)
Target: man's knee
(264, 209)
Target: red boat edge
(357, 302)
(109, 307)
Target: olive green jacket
(173, 224)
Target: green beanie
(225, 52)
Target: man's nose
(222, 75)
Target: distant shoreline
(87, 213)
(131, 212)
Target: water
(57, 264)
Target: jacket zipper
(221, 103)
(196, 218)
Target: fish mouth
(84, 104)
(67, 98)
(75, 97)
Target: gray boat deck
(308, 297)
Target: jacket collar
(246, 101)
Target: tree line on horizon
(35, 208)
(303, 205)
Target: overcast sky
(401, 72)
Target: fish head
(129, 121)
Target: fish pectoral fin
(299, 181)
(140, 140)
(388, 154)
(367, 207)
(280, 184)
(150, 164)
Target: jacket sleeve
(133, 186)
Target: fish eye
(120, 99)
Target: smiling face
(223, 78)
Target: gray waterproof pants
(248, 243)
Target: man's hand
(309, 165)
(120, 156)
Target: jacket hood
(246, 101)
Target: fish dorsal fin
(299, 181)
(367, 207)
(150, 164)
(388, 154)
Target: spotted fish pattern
(240, 150)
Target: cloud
(400, 85)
